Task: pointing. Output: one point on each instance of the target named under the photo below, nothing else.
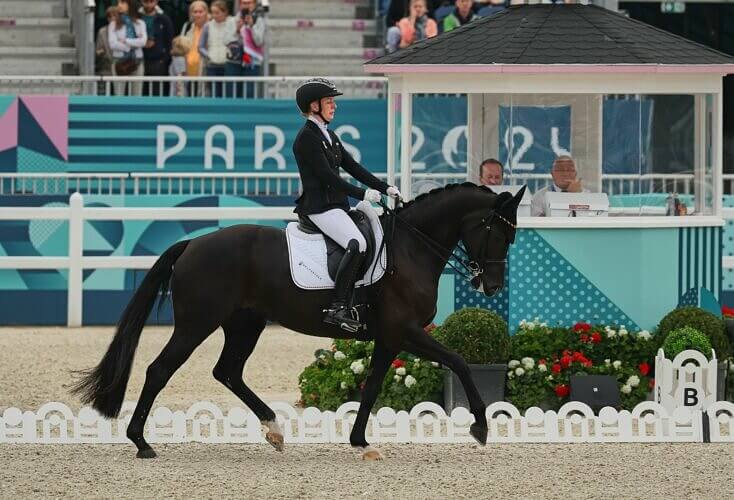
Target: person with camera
(245, 53)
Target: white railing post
(76, 240)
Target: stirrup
(351, 324)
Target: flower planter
(490, 380)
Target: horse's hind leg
(178, 349)
(241, 333)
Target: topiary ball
(703, 321)
(685, 338)
(480, 336)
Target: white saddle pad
(307, 255)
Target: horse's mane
(449, 187)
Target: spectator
(418, 26)
(157, 50)
(198, 17)
(127, 38)
(215, 37)
(564, 180)
(490, 172)
(246, 52)
(461, 15)
(181, 47)
(399, 9)
(103, 52)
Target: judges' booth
(616, 129)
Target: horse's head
(487, 236)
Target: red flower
(644, 368)
(429, 328)
(587, 363)
(581, 327)
(578, 356)
(727, 311)
(651, 384)
(584, 338)
(562, 390)
(361, 386)
(556, 368)
(398, 363)
(541, 361)
(596, 337)
(566, 361)
(567, 352)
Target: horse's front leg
(422, 344)
(381, 359)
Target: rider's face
(328, 108)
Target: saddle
(314, 258)
(334, 252)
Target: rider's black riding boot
(340, 311)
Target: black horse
(239, 277)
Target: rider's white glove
(393, 192)
(372, 195)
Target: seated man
(490, 172)
(564, 181)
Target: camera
(257, 11)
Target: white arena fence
(76, 214)
(288, 183)
(269, 87)
(205, 422)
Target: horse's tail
(104, 385)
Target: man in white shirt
(564, 180)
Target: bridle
(471, 269)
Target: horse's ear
(514, 201)
(502, 199)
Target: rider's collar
(322, 126)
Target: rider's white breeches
(337, 225)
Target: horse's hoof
(371, 454)
(479, 433)
(147, 453)
(276, 440)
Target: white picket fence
(205, 422)
(76, 213)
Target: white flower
(519, 372)
(357, 367)
(357, 342)
(417, 360)
(434, 364)
(644, 335)
(542, 368)
(410, 380)
(400, 370)
(513, 363)
(530, 326)
(623, 331)
(731, 366)
(549, 377)
(633, 381)
(617, 364)
(510, 374)
(607, 362)
(397, 378)
(523, 323)
(611, 333)
(528, 363)
(338, 355)
(343, 385)
(626, 389)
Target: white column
(699, 151)
(475, 136)
(76, 240)
(406, 143)
(717, 143)
(390, 137)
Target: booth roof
(543, 35)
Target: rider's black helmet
(312, 90)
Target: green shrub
(338, 375)
(684, 338)
(478, 335)
(703, 321)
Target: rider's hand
(393, 192)
(372, 195)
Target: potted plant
(710, 326)
(481, 338)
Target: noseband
(473, 266)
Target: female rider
(320, 155)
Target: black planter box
(490, 380)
